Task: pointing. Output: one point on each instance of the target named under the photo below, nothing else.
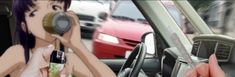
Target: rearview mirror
(148, 39)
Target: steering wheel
(127, 70)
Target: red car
(120, 32)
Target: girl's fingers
(75, 20)
(215, 69)
(203, 70)
(191, 73)
(42, 55)
(64, 73)
(47, 52)
(44, 72)
(75, 35)
(62, 40)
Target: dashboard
(173, 65)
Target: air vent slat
(223, 51)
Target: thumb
(46, 56)
(47, 52)
(74, 17)
(215, 70)
(61, 39)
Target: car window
(110, 33)
(180, 20)
(127, 9)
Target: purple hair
(19, 8)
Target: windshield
(174, 13)
(180, 20)
(127, 10)
(218, 15)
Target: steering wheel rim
(140, 51)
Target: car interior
(7, 23)
(148, 67)
(8, 31)
(164, 62)
(6, 20)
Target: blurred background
(218, 14)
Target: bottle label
(55, 69)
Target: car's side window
(180, 20)
(110, 33)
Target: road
(88, 43)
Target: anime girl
(33, 38)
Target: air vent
(220, 45)
(205, 48)
(223, 51)
(196, 45)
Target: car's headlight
(108, 38)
